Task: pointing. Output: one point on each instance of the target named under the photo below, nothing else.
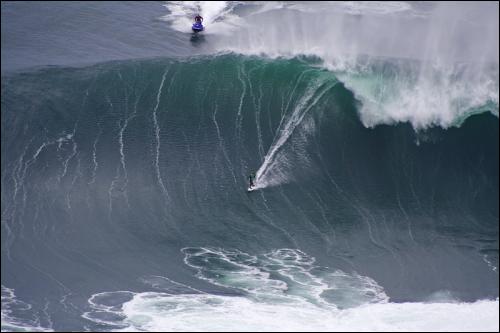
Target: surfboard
(250, 189)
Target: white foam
(282, 275)
(161, 312)
(374, 7)
(11, 323)
(282, 290)
(234, 269)
(456, 48)
(442, 96)
(218, 17)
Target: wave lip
(420, 93)
(401, 60)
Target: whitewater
(127, 141)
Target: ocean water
(127, 141)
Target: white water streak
(120, 139)
(94, 155)
(410, 234)
(157, 133)
(239, 118)
(258, 112)
(77, 175)
(221, 144)
(490, 265)
(122, 156)
(66, 162)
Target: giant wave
(109, 171)
(124, 203)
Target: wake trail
(313, 94)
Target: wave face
(124, 201)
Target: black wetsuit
(250, 181)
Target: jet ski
(197, 27)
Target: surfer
(251, 179)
